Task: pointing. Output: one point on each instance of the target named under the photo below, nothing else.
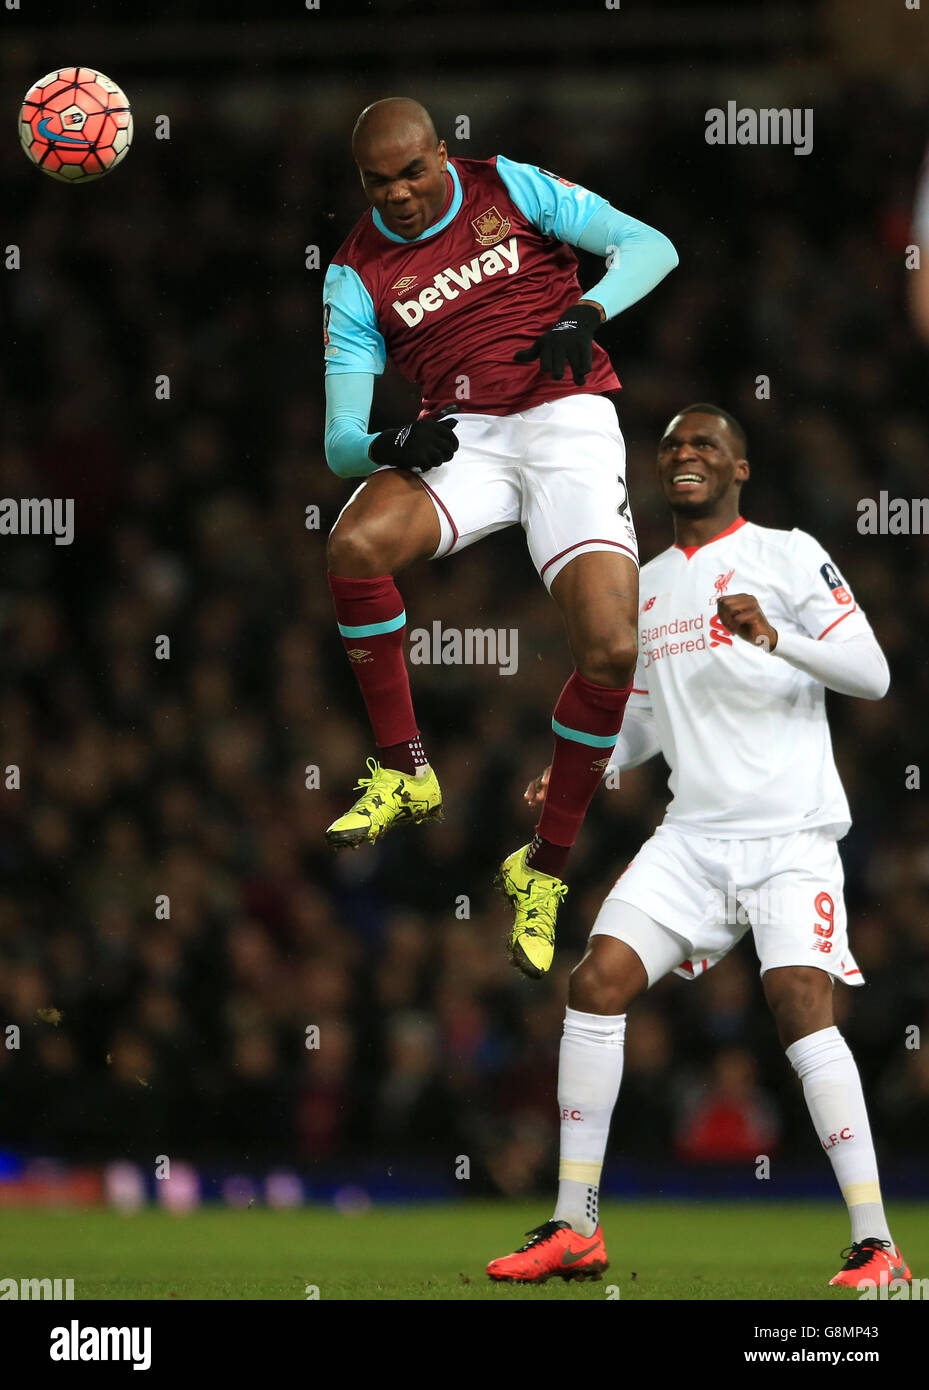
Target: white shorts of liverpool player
(706, 893)
(558, 469)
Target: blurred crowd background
(187, 776)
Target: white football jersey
(744, 733)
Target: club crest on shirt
(721, 584)
(490, 226)
(836, 584)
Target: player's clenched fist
(423, 445)
(569, 341)
(742, 615)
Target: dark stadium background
(140, 777)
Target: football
(75, 124)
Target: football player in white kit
(741, 629)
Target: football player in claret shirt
(462, 272)
(742, 629)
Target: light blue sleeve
(558, 208)
(355, 343)
(639, 256)
(348, 408)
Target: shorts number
(825, 908)
(623, 508)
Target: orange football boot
(555, 1248)
(871, 1259)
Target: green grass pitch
(658, 1250)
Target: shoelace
(540, 909)
(860, 1253)
(540, 1233)
(374, 768)
(379, 813)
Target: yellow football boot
(536, 897)
(390, 798)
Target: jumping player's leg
(597, 593)
(581, 538)
(389, 523)
(394, 518)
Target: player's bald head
(402, 165)
(394, 124)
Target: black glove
(423, 445)
(569, 340)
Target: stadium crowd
(171, 920)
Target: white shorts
(707, 892)
(559, 469)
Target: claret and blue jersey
(452, 306)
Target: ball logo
(57, 137)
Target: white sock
(832, 1090)
(590, 1068)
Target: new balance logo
(503, 256)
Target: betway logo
(504, 256)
